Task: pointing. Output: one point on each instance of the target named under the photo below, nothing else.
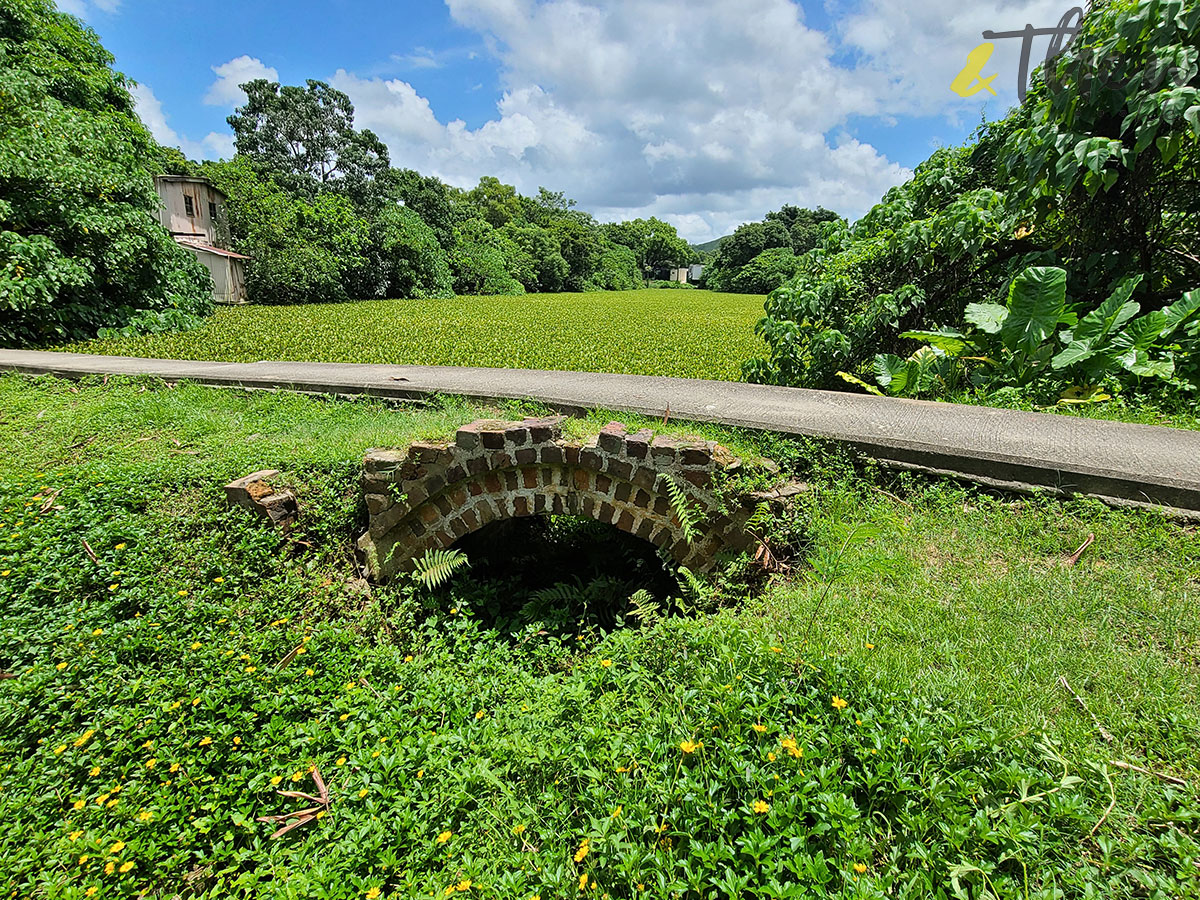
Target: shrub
(80, 249)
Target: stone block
(612, 437)
(637, 445)
(545, 429)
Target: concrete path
(1121, 464)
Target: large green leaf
(1035, 303)
(987, 317)
(1109, 315)
(1075, 352)
(1180, 311)
(891, 372)
(950, 340)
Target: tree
(495, 203)
(304, 139)
(80, 248)
(655, 243)
(430, 198)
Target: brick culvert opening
(658, 488)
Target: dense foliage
(178, 667)
(1095, 173)
(760, 256)
(80, 249)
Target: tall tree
(305, 139)
(80, 248)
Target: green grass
(692, 334)
(958, 768)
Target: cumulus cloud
(706, 113)
(214, 145)
(225, 91)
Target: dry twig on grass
(1104, 733)
(302, 816)
(1071, 560)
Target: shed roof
(209, 248)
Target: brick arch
(431, 494)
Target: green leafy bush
(80, 248)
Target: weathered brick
(582, 479)
(434, 483)
(663, 449)
(625, 521)
(571, 453)
(642, 499)
(474, 488)
(619, 468)
(516, 435)
(695, 456)
(377, 503)
(511, 480)
(467, 438)
(645, 528)
(591, 458)
(637, 445)
(428, 452)
(375, 461)
(588, 507)
(492, 482)
(612, 437)
(699, 477)
(429, 514)
(521, 506)
(557, 505)
(552, 454)
(607, 513)
(455, 474)
(492, 440)
(525, 456)
(544, 430)
(644, 477)
(662, 506)
(623, 492)
(540, 505)
(477, 465)
(458, 497)
(529, 478)
(603, 484)
(471, 518)
(443, 505)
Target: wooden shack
(193, 211)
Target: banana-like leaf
(1076, 352)
(1036, 301)
(1109, 315)
(947, 339)
(891, 372)
(987, 317)
(854, 379)
(1180, 311)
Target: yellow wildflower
(150, 763)
(205, 741)
(860, 867)
(408, 658)
(309, 672)
(770, 757)
(85, 737)
(761, 806)
(296, 776)
(341, 761)
(149, 745)
(145, 815)
(584, 849)
(464, 885)
(444, 836)
(362, 793)
(479, 715)
(119, 547)
(776, 649)
(275, 781)
(617, 812)
(74, 836)
(372, 893)
(108, 869)
(174, 768)
(181, 593)
(61, 666)
(759, 728)
(84, 859)
(117, 847)
(79, 804)
(838, 702)
(90, 891)
(583, 880)
(606, 663)
(690, 746)
(518, 829)
(195, 701)
(251, 669)
(343, 717)
(196, 645)
(59, 749)
(126, 866)
(220, 579)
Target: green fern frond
(564, 593)
(693, 585)
(644, 608)
(761, 521)
(436, 567)
(688, 516)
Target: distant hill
(710, 246)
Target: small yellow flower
(776, 649)
(108, 869)
(690, 746)
(444, 836)
(309, 672)
(296, 776)
(362, 793)
(196, 701)
(126, 866)
(96, 632)
(617, 812)
(117, 847)
(583, 880)
(251, 669)
(479, 715)
(860, 867)
(90, 891)
(584, 849)
(84, 859)
(606, 663)
(59, 749)
(275, 781)
(174, 768)
(350, 685)
(408, 658)
(74, 836)
(770, 757)
(181, 593)
(870, 646)
(5, 573)
(838, 702)
(149, 745)
(79, 804)
(205, 741)
(518, 829)
(113, 802)
(220, 579)
(61, 666)
(621, 770)
(759, 728)
(464, 885)
(151, 762)
(761, 807)
(196, 645)
(904, 740)
(85, 737)
(372, 893)
(341, 761)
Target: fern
(644, 608)
(562, 594)
(693, 585)
(760, 521)
(436, 567)
(688, 517)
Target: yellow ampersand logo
(969, 81)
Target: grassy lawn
(884, 720)
(693, 334)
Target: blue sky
(705, 113)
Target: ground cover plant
(693, 334)
(883, 721)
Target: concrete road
(1121, 464)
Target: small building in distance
(695, 272)
(194, 212)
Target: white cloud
(80, 7)
(214, 145)
(225, 91)
(706, 113)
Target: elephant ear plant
(1035, 340)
